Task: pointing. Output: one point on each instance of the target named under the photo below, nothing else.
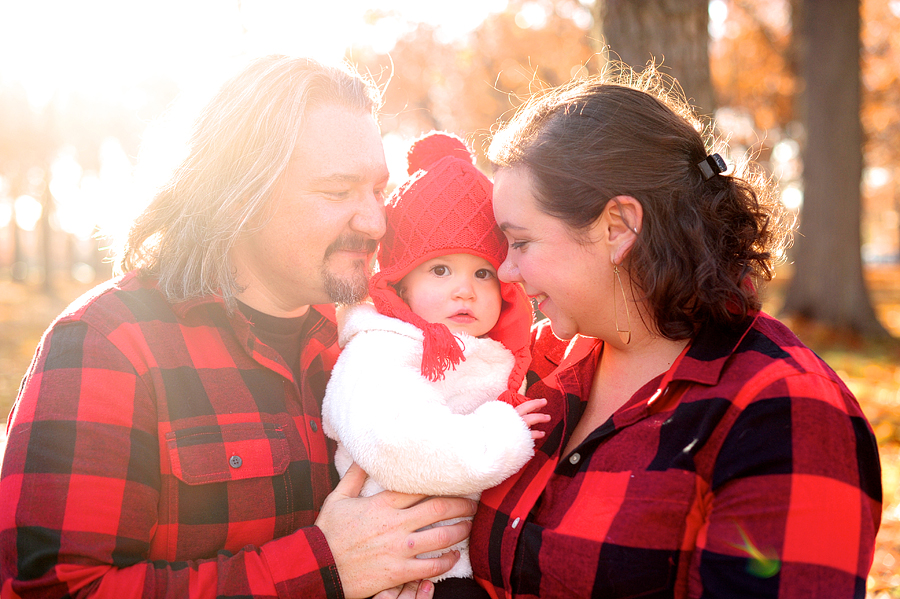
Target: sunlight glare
(107, 48)
(453, 20)
(28, 212)
(5, 213)
(718, 14)
(395, 149)
(531, 16)
(65, 185)
(107, 51)
(88, 201)
(115, 187)
(785, 150)
(792, 197)
(876, 176)
(894, 5)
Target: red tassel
(440, 351)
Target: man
(167, 439)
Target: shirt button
(313, 426)
(235, 461)
(574, 458)
(515, 523)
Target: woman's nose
(509, 272)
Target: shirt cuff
(302, 565)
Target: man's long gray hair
(240, 145)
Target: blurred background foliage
(77, 160)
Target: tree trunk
(46, 237)
(828, 284)
(672, 32)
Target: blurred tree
(30, 141)
(828, 285)
(881, 105)
(754, 63)
(672, 32)
(465, 85)
(25, 139)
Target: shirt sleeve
(80, 492)
(794, 501)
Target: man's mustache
(352, 243)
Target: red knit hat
(445, 208)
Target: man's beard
(352, 288)
(348, 289)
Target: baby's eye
(440, 270)
(484, 273)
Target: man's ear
(624, 221)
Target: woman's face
(569, 277)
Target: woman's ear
(624, 221)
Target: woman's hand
(375, 540)
(417, 589)
(526, 410)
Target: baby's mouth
(463, 315)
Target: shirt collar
(708, 352)
(239, 322)
(182, 308)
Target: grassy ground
(871, 370)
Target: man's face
(328, 215)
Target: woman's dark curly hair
(704, 245)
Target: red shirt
(746, 470)
(163, 450)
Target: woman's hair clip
(711, 166)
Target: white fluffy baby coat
(449, 437)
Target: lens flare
(762, 564)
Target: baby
(422, 396)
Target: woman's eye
(517, 245)
(440, 270)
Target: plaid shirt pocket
(228, 452)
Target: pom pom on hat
(432, 147)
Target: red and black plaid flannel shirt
(747, 470)
(162, 450)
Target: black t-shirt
(284, 335)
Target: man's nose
(369, 218)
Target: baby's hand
(526, 410)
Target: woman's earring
(624, 334)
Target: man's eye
(338, 195)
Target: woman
(696, 447)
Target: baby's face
(460, 290)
